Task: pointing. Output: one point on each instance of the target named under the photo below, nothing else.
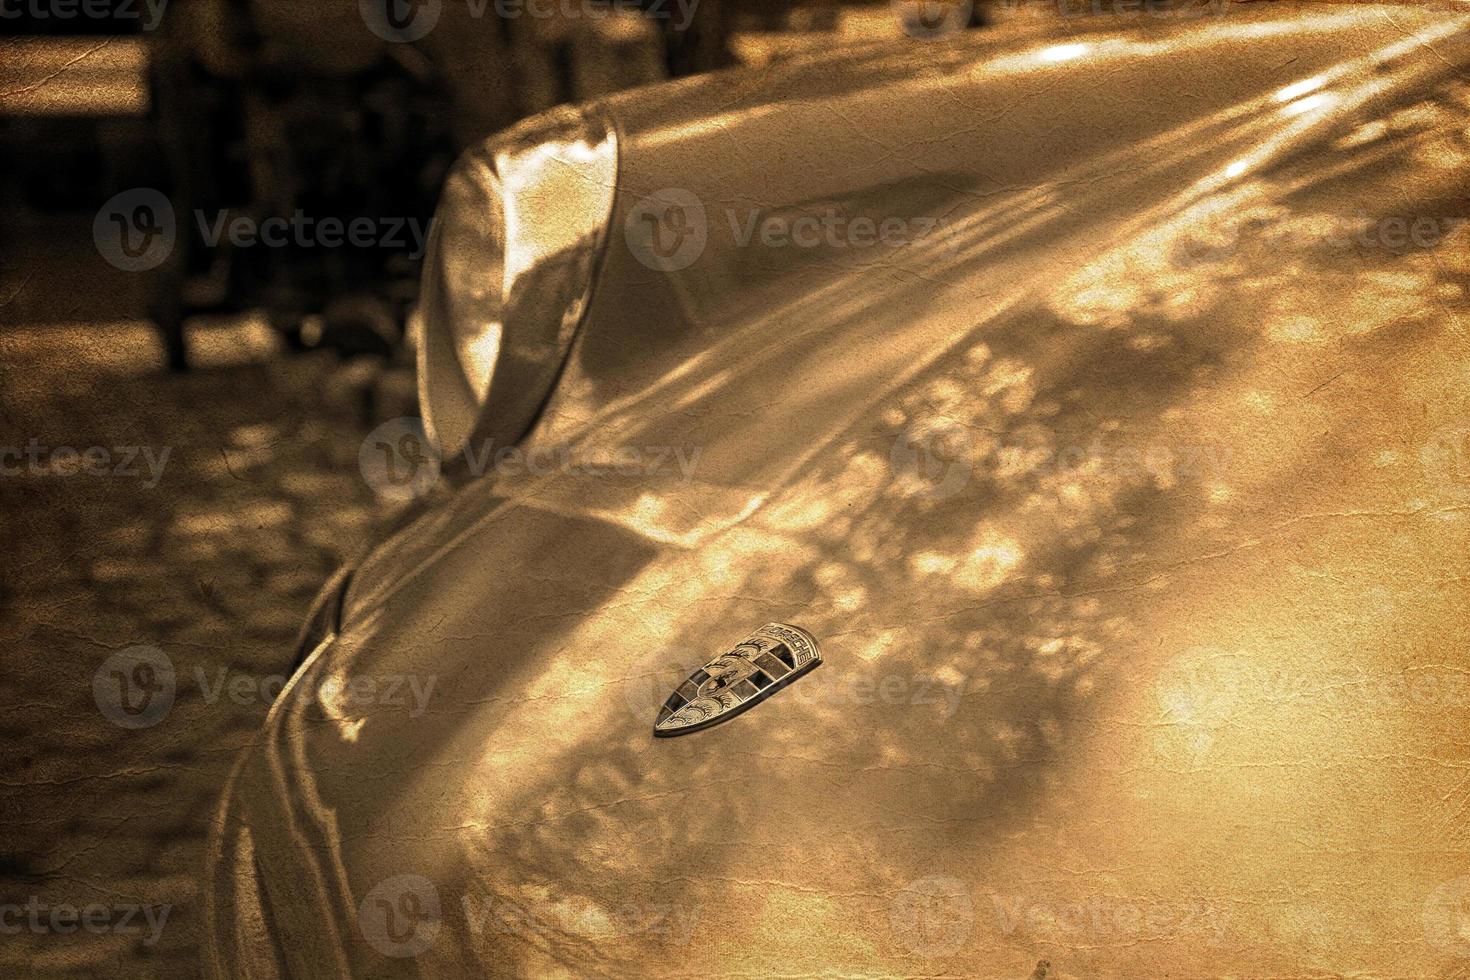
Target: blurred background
(181, 413)
(347, 109)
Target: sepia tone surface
(1125, 513)
(1091, 390)
(240, 497)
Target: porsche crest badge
(759, 666)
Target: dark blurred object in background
(283, 114)
(266, 116)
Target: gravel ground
(209, 554)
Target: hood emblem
(759, 666)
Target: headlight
(520, 229)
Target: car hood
(1119, 506)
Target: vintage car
(1083, 397)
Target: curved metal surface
(1117, 511)
(513, 260)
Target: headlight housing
(512, 260)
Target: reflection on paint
(1062, 52)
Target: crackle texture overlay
(1096, 395)
(1123, 483)
(203, 576)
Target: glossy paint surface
(1129, 511)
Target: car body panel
(1107, 505)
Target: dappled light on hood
(1021, 485)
